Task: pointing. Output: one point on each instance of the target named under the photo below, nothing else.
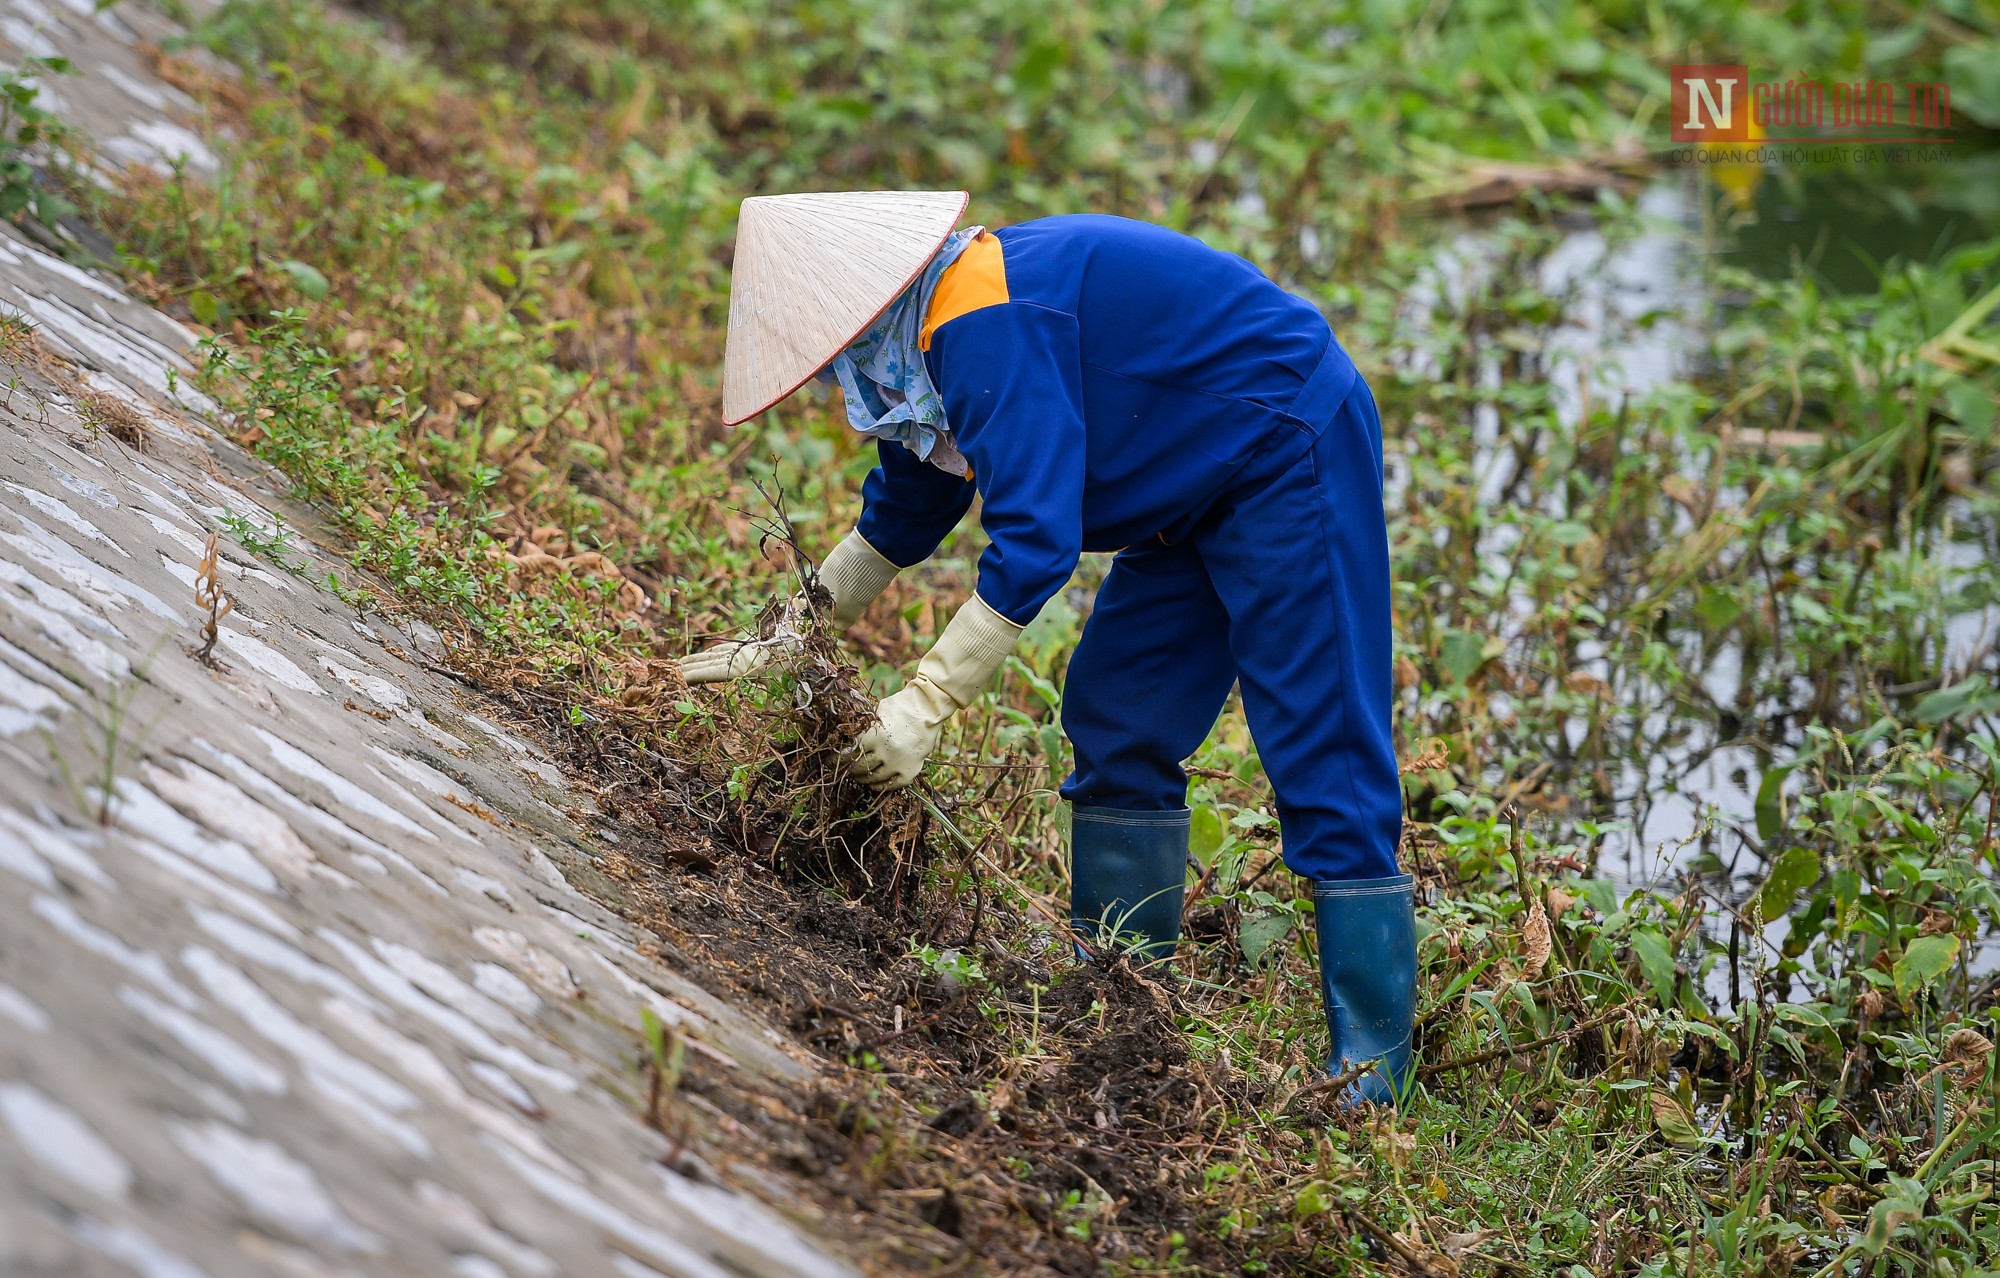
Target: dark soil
(940, 1141)
(1046, 1120)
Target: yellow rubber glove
(853, 574)
(734, 658)
(952, 673)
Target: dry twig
(210, 597)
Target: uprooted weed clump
(468, 295)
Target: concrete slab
(315, 996)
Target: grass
(112, 739)
(467, 294)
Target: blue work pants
(1282, 585)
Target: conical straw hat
(812, 272)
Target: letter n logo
(1710, 103)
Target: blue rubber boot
(1368, 975)
(1127, 873)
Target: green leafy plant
(666, 1060)
(273, 543)
(28, 131)
(952, 968)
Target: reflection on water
(1847, 221)
(1846, 224)
(1626, 332)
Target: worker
(1103, 384)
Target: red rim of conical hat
(812, 272)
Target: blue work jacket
(1108, 381)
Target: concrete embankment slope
(314, 996)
